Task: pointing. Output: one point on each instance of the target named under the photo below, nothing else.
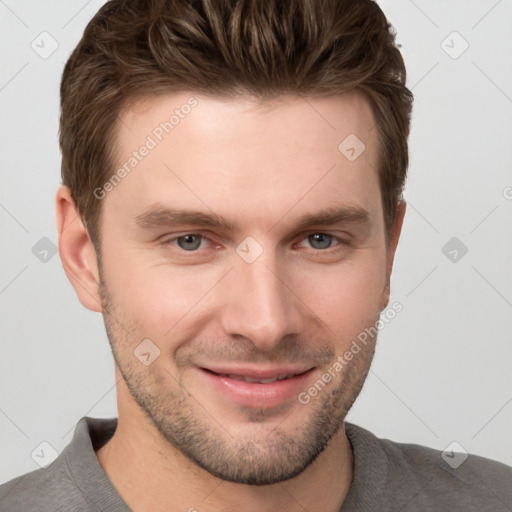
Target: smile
(259, 388)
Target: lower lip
(255, 394)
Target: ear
(391, 249)
(77, 252)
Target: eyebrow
(159, 216)
(167, 217)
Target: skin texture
(180, 442)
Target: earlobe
(77, 251)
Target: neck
(152, 475)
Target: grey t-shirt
(388, 476)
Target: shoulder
(42, 490)
(73, 481)
(450, 467)
(425, 477)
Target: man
(231, 203)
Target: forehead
(281, 119)
(243, 154)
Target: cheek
(346, 297)
(160, 299)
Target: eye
(191, 247)
(321, 241)
(189, 242)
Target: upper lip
(258, 372)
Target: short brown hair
(266, 48)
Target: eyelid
(170, 240)
(341, 241)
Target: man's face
(245, 288)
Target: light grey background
(442, 369)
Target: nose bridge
(260, 307)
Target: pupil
(189, 242)
(320, 240)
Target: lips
(257, 371)
(261, 387)
(264, 375)
(268, 380)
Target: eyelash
(341, 243)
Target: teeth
(232, 376)
(260, 381)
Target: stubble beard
(266, 456)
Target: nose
(261, 305)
